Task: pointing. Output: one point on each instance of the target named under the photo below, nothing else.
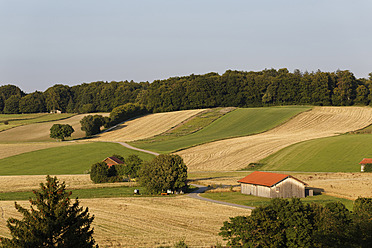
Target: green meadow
(240, 122)
(332, 154)
(71, 159)
(256, 201)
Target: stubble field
(237, 153)
(344, 185)
(149, 222)
(41, 131)
(147, 126)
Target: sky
(44, 42)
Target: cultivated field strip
(8, 150)
(31, 182)
(237, 153)
(149, 222)
(41, 131)
(147, 126)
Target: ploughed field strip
(147, 126)
(237, 153)
(148, 222)
(41, 131)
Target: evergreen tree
(52, 220)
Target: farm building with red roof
(364, 162)
(272, 185)
(110, 161)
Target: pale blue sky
(46, 42)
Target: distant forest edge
(268, 87)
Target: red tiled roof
(265, 178)
(366, 161)
(113, 161)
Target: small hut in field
(110, 161)
(272, 185)
(364, 163)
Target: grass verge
(72, 159)
(255, 201)
(240, 122)
(108, 192)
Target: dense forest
(233, 88)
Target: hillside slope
(339, 153)
(41, 131)
(237, 153)
(147, 126)
(240, 122)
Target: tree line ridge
(269, 87)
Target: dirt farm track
(233, 154)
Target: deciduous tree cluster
(233, 88)
(290, 223)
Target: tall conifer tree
(52, 220)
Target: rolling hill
(146, 126)
(240, 122)
(340, 153)
(40, 131)
(71, 159)
(237, 153)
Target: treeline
(233, 88)
(291, 223)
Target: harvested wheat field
(149, 222)
(237, 153)
(147, 126)
(41, 131)
(8, 150)
(31, 182)
(345, 185)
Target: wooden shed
(110, 161)
(272, 185)
(364, 162)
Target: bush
(368, 168)
(101, 173)
(125, 112)
(92, 124)
(61, 131)
(162, 173)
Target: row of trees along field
(233, 88)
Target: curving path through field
(233, 154)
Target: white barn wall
(287, 188)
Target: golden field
(236, 153)
(41, 131)
(148, 222)
(31, 182)
(344, 185)
(146, 126)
